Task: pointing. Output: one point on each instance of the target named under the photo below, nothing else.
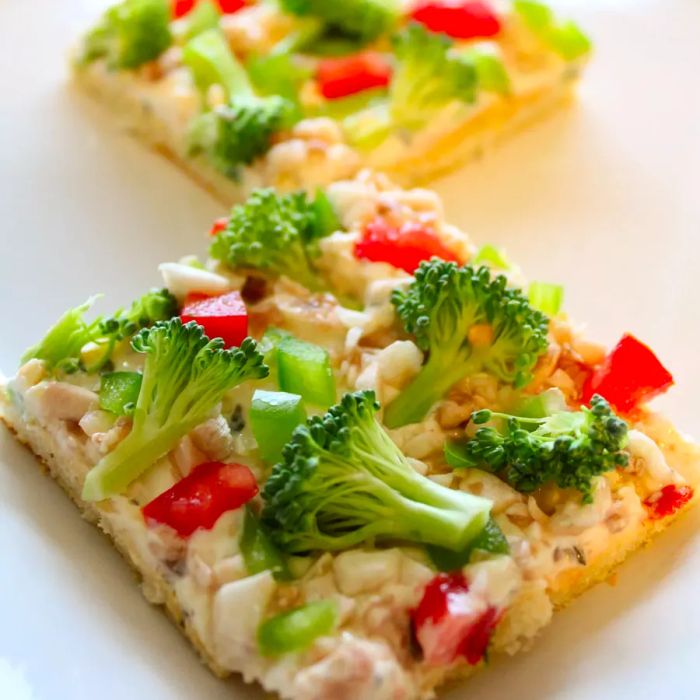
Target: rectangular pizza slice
(350, 465)
(299, 93)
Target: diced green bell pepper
(295, 630)
(305, 369)
(259, 554)
(273, 417)
(119, 392)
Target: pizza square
(303, 93)
(352, 454)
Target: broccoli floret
(241, 130)
(466, 322)
(60, 347)
(343, 481)
(130, 34)
(364, 20)
(428, 77)
(568, 448)
(277, 234)
(155, 305)
(237, 133)
(185, 376)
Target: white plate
(603, 198)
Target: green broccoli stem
(399, 517)
(437, 376)
(131, 458)
(412, 484)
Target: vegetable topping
(362, 20)
(450, 622)
(630, 376)
(130, 34)
(202, 497)
(277, 234)
(568, 448)
(460, 19)
(185, 376)
(295, 630)
(428, 77)
(224, 316)
(404, 247)
(273, 417)
(347, 75)
(668, 501)
(466, 322)
(343, 481)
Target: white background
(603, 198)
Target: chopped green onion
(296, 629)
(119, 392)
(491, 540)
(304, 368)
(493, 257)
(204, 16)
(566, 38)
(546, 297)
(273, 417)
(259, 554)
(211, 62)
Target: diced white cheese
(181, 280)
(238, 609)
(358, 571)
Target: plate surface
(602, 198)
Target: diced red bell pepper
(224, 316)
(347, 75)
(450, 622)
(202, 497)
(404, 247)
(218, 226)
(228, 7)
(460, 19)
(182, 7)
(667, 501)
(630, 375)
